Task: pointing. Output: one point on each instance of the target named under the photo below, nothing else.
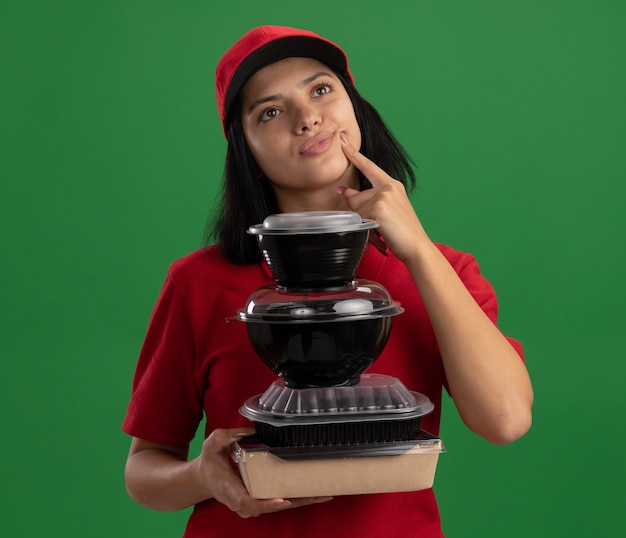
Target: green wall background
(111, 158)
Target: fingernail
(343, 138)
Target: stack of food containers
(324, 427)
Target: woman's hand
(226, 485)
(160, 477)
(387, 203)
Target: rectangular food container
(290, 472)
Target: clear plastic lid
(312, 222)
(375, 397)
(360, 298)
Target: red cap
(264, 45)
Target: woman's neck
(325, 199)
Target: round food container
(320, 339)
(313, 249)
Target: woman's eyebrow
(310, 79)
(302, 84)
(262, 100)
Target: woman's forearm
(161, 479)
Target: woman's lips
(317, 145)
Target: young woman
(301, 138)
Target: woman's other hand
(486, 377)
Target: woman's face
(292, 113)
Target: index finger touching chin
(369, 168)
(350, 151)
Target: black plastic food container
(320, 339)
(379, 409)
(320, 354)
(313, 249)
(339, 433)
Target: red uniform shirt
(195, 362)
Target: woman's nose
(306, 118)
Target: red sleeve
(166, 405)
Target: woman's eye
(322, 89)
(268, 114)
